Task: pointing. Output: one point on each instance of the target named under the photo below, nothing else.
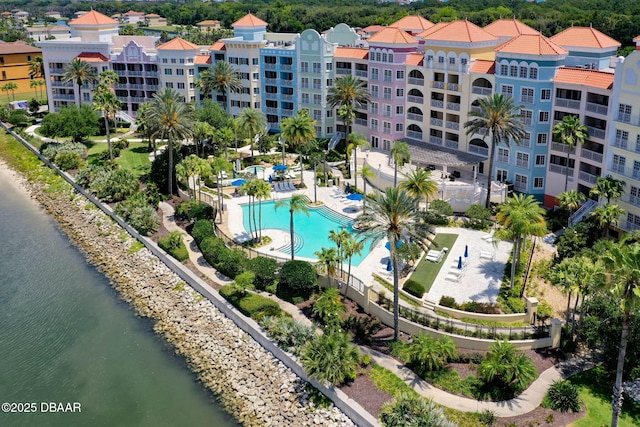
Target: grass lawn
(426, 271)
(595, 391)
(135, 158)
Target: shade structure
(389, 265)
(388, 246)
(280, 167)
(238, 182)
(355, 196)
(466, 251)
(459, 263)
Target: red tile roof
(92, 57)
(579, 76)
(414, 59)
(202, 59)
(249, 20)
(531, 44)
(483, 66)
(7, 48)
(509, 28)
(178, 44)
(218, 46)
(413, 23)
(457, 31)
(93, 18)
(351, 52)
(392, 35)
(584, 37)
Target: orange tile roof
(133, 12)
(92, 57)
(351, 52)
(483, 66)
(249, 20)
(201, 59)
(414, 59)
(178, 44)
(579, 76)
(509, 28)
(412, 22)
(373, 28)
(635, 39)
(531, 44)
(584, 37)
(18, 47)
(218, 46)
(93, 18)
(392, 35)
(209, 22)
(457, 31)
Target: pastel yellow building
(15, 66)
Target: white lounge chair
(489, 237)
(452, 277)
(291, 187)
(487, 255)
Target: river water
(65, 337)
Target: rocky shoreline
(251, 384)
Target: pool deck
(478, 281)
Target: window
(169, 85)
(399, 127)
(504, 69)
(329, 82)
(384, 57)
(527, 116)
(28, 58)
(304, 67)
(374, 141)
(182, 60)
(304, 83)
(329, 66)
(374, 125)
(526, 95)
(256, 76)
(191, 71)
(164, 60)
(400, 92)
(305, 98)
(374, 91)
(374, 74)
(507, 90)
(502, 175)
(400, 74)
(387, 93)
(538, 182)
(618, 164)
(533, 73)
(440, 59)
(329, 130)
(387, 75)
(386, 145)
(256, 91)
(386, 127)
(633, 221)
(244, 76)
(173, 60)
(317, 99)
(168, 71)
(180, 85)
(464, 61)
(542, 139)
(191, 85)
(523, 72)
(541, 160)
(429, 57)
(544, 117)
(387, 111)
(400, 110)
(317, 83)
(452, 60)
(4, 75)
(545, 94)
(503, 155)
(180, 72)
(255, 61)
(513, 71)
(316, 68)
(521, 182)
(374, 108)
(624, 113)
(522, 160)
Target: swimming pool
(256, 170)
(311, 232)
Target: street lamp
(315, 181)
(379, 167)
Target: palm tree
(521, 216)
(299, 131)
(226, 80)
(331, 358)
(419, 410)
(348, 94)
(571, 132)
(297, 203)
(400, 154)
(10, 87)
(80, 72)
(356, 140)
(194, 167)
(328, 260)
(37, 84)
(623, 281)
(252, 122)
(393, 214)
(507, 367)
(367, 173)
(201, 132)
(418, 183)
(172, 119)
(498, 116)
(105, 101)
(571, 201)
(339, 237)
(206, 83)
(429, 353)
(606, 216)
(607, 187)
(351, 247)
(36, 67)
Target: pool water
(311, 232)
(256, 170)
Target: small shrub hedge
(265, 270)
(297, 278)
(447, 301)
(434, 218)
(562, 396)
(68, 161)
(441, 207)
(174, 245)
(414, 288)
(250, 304)
(202, 229)
(470, 306)
(195, 210)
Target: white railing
(480, 90)
(435, 140)
(588, 177)
(597, 108)
(597, 133)
(591, 155)
(568, 103)
(416, 99)
(414, 134)
(578, 215)
(415, 81)
(435, 122)
(437, 103)
(478, 150)
(453, 106)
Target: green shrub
(297, 278)
(478, 212)
(174, 245)
(290, 334)
(480, 307)
(211, 247)
(231, 262)
(562, 396)
(434, 218)
(249, 304)
(68, 161)
(516, 304)
(265, 271)
(414, 288)
(120, 144)
(476, 224)
(51, 150)
(195, 210)
(441, 207)
(447, 301)
(114, 185)
(331, 358)
(487, 417)
(201, 229)
(143, 218)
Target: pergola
(428, 155)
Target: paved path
(529, 400)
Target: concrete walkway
(529, 400)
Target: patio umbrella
(280, 167)
(459, 263)
(255, 171)
(466, 251)
(238, 182)
(355, 196)
(388, 246)
(389, 265)
(348, 188)
(270, 179)
(234, 174)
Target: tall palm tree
(571, 133)
(339, 237)
(351, 247)
(607, 187)
(299, 131)
(80, 72)
(498, 117)
(262, 192)
(10, 87)
(206, 83)
(106, 101)
(400, 154)
(521, 216)
(226, 79)
(297, 203)
(571, 201)
(606, 216)
(36, 67)
(356, 141)
(252, 122)
(192, 167)
(623, 281)
(37, 84)
(393, 215)
(172, 119)
(419, 183)
(328, 260)
(348, 93)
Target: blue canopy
(355, 196)
(238, 182)
(388, 246)
(389, 265)
(280, 167)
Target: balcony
(628, 172)
(560, 169)
(564, 148)
(633, 200)
(414, 134)
(568, 103)
(591, 155)
(361, 73)
(287, 97)
(480, 90)
(270, 81)
(621, 143)
(483, 151)
(414, 116)
(361, 122)
(271, 95)
(151, 73)
(286, 82)
(453, 106)
(61, 84)
(56, 70)
(437, 85)
(415, 99)
(587, 177)
(343, 70)
(435, 122)
(416, 81)
(453, 87)
(436, 103)
(272, 110)
(597, 133)
(451, 143)
(63, 96)
(287, 113)
(476, 108)
(269, 66)
(597, 108)
(453, 125)
(629, 226)
(435, 140)
(286, 66)
(386, 114)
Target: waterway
(66, 337)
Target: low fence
(350, 408)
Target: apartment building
(15, 65)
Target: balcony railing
(287, 97)
(478, 150)
(621, 143)
(480, 90)
(437, 103)
(271, 95)
(453, 87)
(435, 122)
(361, 122)
(597, 108)
(414, 116)
(629, 226)
(562, 147)
(453, 125)
(270, 81)
(476, 108)
(451, 143)
(285, 66)
(343, 70)
(269, 66)
(596, 133)
(560, 169)
(272, 110)
(286, 82)
(626, 171)
(63, 96)
(415, 99)
(453, 106)
(633, 200)
(416, 81)
(62, 84)
(361, 73)
(624, 117)
(588, 177)
(568, 103)
(437, 85)
(414, 134)
(591, 155)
